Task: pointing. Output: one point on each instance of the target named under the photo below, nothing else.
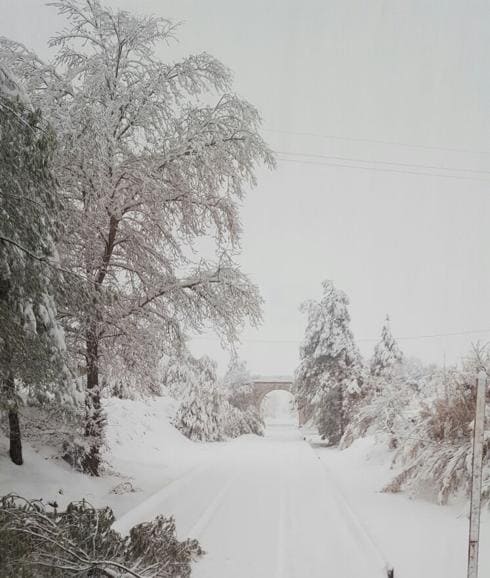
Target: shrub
(437, 453)
(239, 422)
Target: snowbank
(143, 453)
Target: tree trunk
(15, 450)
(94, 421)
(342, 411)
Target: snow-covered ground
(272, 507)
(265, 508)
(144, 452)
(419, 538)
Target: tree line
(422, 412)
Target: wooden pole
(476, 476)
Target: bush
(37, 542)
(436, 456)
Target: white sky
(404, 71)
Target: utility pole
(446, 394)
(476, 476)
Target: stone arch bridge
(263, 386)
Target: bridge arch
(264, 386)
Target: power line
(384, 170)
(377, 141)
(364, 340)
(375, 161)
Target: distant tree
(329, 375)
(238, 383)
(386, 352)
(31, 341)
(147, 167)
(244, 417)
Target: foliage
(436, 455)
(207, 412)
(387, 407)
(148, 167)
(179, 370)
(152, 170)
(31, 337)
(426, 414)
(37, 541)
(199, 417)
(32, 343)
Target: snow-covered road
(265, 508)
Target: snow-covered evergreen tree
(329, 375)
(386, 393)
(237, 422)
(200, 416)
(386, 352)
(147, 167)
(31, 341)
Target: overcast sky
(358, 79)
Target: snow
(278, 408)
(272, 507)
(419, 538)
(9, 87)
(264, 508)
(143, 450)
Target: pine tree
(386, 353)
(31, 340)
(328, 378)
(386, 391)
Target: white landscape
(244, 281)
(265, 507)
